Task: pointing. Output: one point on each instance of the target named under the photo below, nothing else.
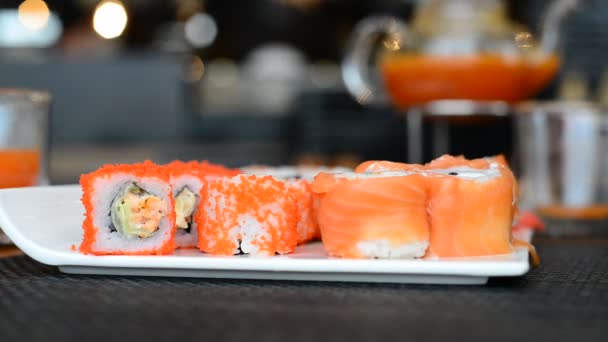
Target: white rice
(310, 172)
(251, 230)
(293, 172)
(105, 190)
(382, 174)
(281, 172)
(468, 173)
(462, 172)
(384, 249)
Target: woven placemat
(565, 299)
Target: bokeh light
(34, 14)
(524, 40)
(110, 19)
(200, 30)
(392, 42)
(14, 33)
(222, 73)
(195, 69)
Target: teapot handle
(557, 11)
(356, 73)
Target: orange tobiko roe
(308, 228)
(87, 183)
(204, 168)
(247, 195)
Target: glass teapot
(453, 49)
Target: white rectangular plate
(45, 222)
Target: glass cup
(24, 118)
(562, 153)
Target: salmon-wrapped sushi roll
(187, 179)
(372, 166)
(489, 196)
(308, 173)
(247, 214)
(446, 161)
(128, 210)
(495, 162)
(470, 211)
(381, 215)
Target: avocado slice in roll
(136, 213)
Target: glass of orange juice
(24, 116)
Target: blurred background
(240, 82)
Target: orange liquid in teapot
(414, 79)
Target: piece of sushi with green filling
(136, 213)
(128, 210)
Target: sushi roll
(299, 188)
(247, 214)
(470, 210)
(298, 180)
(385, 165)
(187, 180)
(128, 210)
(309, 173)
(379, 215)
(446, 161)
(307, 226)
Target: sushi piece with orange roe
(128, 210)
(187, 180)
(380, 215)
(247, 214)
(298, 180)
(307, 226)
(299, 187)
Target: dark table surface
(565, 299)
